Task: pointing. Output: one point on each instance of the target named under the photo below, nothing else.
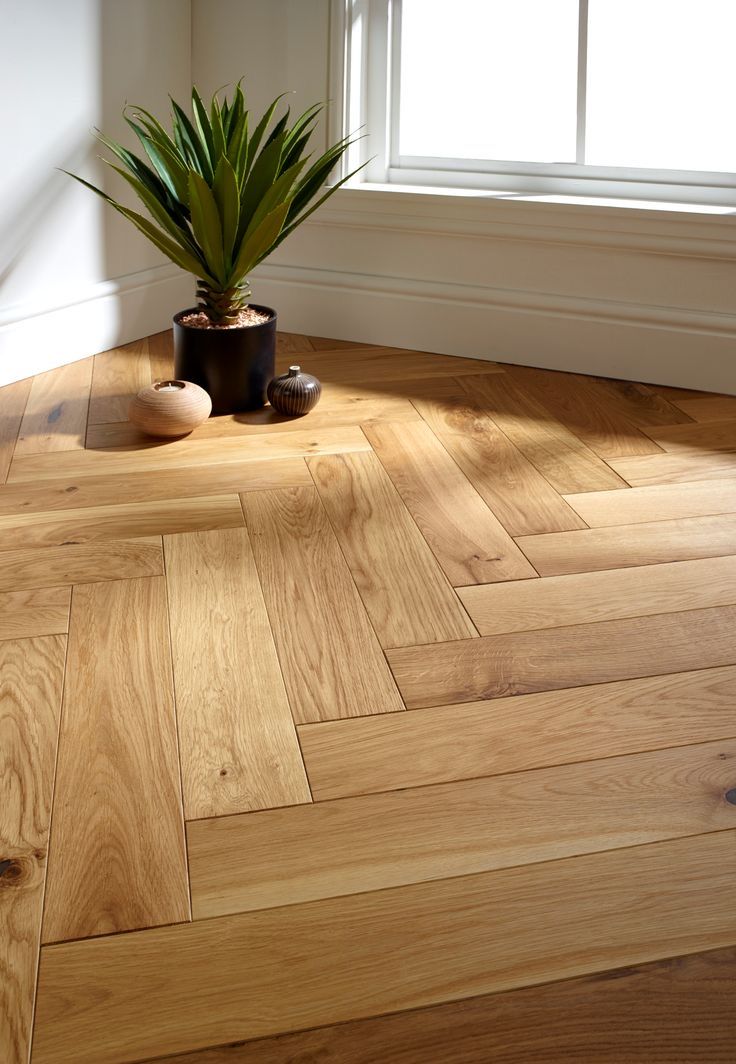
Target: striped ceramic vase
(295, 393)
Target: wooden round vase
(295, 393)
(170, 408)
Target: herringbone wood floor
(404, 732)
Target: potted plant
(222, 193)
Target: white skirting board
(111, 313)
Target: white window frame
(365, 57)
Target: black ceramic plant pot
(233, 365)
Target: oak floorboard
(585, 598)
(408, 598)
(324, 343)
(80, 564)
(699, 436)
(674, 1011)
(31, 677)
(55, 417)
(178, 454)
(385, 364)
(657, 502)
(645, 543)
(117, 376)
(293, 343)
(517, 493)
(117, 859)
(34, 613)
(14, 398)
(574, 656)
(484, 738)
(376, 841)
(560, 456)
(238, 746)
(301, 966)
(329, 654)
(161, 356)
(467, 540)
(89, 524)
(665, 468)
(708, 407)
(640, 403)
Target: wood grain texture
(560, 456)
(117, 376)
(707, 436)
(484, 738)
(642, 404)
(470, 544)
(580, 654)
(117, 859)
(161, 356)
(408, 598)
(516, 492)
(239, 749)
(178, 454)
(388, 364)
(32, 613)
(601, 596)
(330, 657)
(645, 543)
(87, 563)
(14, 398)
(55, 417)
(659, 502)
(707, 407)
(31, 677)
(674, 1011)
(374, 841)
(292, 343)
(256, 974)
(58, 528)
(675, 468)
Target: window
(631, 98)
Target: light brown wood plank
(639, 544)
(485, 738)
(376, 364)
(55, 418)
(707, 407)
(640, 403)
(603, 596)
(117, 859)
(86, 563)
(699, 436)
(239, 748)
(675, 468)
(516, 492)
(375, 841)
(470, 544)
(329, 654)
(161, 355)
(31, 677)
(76, 493)
(177, 454)
(118, 375)
(301, 966)
(87, 524)
(407, 597)
(324, 343)
(675, 1011)
(13, 398)
(34, 613)
(564, 657)
(292, 343)
(659, 502)
(561, 457)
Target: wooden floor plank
(658, 502)
(645, 543)
(376, 364)
(31, 677)
(575, 656)
(699, 436)
(675, 468)
(484, 738)
(177, 454)
(517, 493)
(34, 613)
(14, 398)
(329, 654)
(117, 859)
(408, 598)
(601, 596)
(55, 418)
(706, 407)
(642, 404)
(560, 456)
(324, 343)
(675, 1011)
(82, 564)
(239, 749)
(118, 375)
(161, 356)
(300, 966)
(470, 544)
(375, 841)
(293, 343)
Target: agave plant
(221, 195)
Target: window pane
(661, 81)
(489, 79)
